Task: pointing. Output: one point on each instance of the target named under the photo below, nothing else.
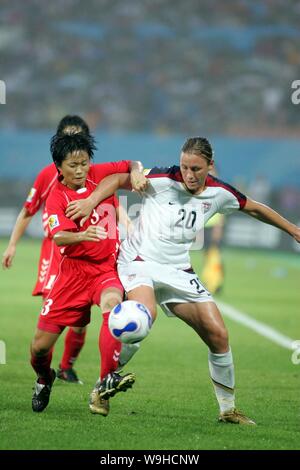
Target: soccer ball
(130, 321)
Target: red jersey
(104, 214)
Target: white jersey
(171, 217)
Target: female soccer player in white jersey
(154, 264)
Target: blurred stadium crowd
(164, 66)
(147, 73)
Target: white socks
(127, 351)
(222, 374)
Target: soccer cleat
(107, 388)
(97, 404)
(114, 383)
(235, 417)
(68, 375)
(41, 396)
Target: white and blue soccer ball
(130, 321)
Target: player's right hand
(94, 233)
(139, 182)
(80, 208)
(8, 256)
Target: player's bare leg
(145, 295)
(206, 320)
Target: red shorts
(78, 285)
(50, 258)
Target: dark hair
(62, 145)
(198, 146)
(74, 121)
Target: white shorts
(170, 284)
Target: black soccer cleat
(41, 396)
(68, 375)
(115, 383)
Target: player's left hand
(138, 181)
(8, 256)
(81, 208)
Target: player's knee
(110, 302)
(79, 329)
(39, 349)
(219, 340)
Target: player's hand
(94, 233)
(8, 256)
(138, 181)
(81, 208)
(296, 235)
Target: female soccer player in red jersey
(49, 254)
(87, 273)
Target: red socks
(41, 365)
(109, 348)
(73, 345)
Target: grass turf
(172, 405)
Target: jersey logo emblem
(206, 206)
(53, 221)
(31, 194)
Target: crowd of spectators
(165, 66)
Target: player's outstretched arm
(22, 222)
(269, 216)
(108, 186)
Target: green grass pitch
(172, 405)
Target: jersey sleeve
(56, 206)
(101, 170)
(231, 200)
(161, 178)
(40, 189)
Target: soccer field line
(259, 327)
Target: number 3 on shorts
(46, 307)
